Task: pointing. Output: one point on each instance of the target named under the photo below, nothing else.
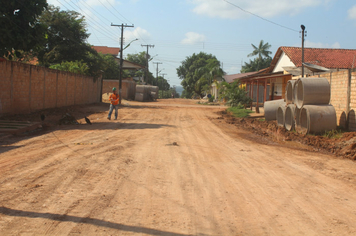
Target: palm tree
(261, 50)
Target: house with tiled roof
(114, 51)
(316, 60)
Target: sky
(223, 28)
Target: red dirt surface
(170, 167)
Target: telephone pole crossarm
(147, 46)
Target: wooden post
(265, 92)
(258, 97)
(251, 94)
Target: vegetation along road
(168, 168)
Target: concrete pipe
(289, 91)
(317, 119)
(312, 91)
(295, 88)
(141, 88)
(297, 118)
(139, 97)
(289, 122)
(270, 108)
(281, 111)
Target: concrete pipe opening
(289, 91)
(295, 88)
(281, 115)
(270, 108)
(312, 91)
(317, 119)
(289, 122)
(297, 118)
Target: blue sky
(224, 28)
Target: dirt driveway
(169, 168)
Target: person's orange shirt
(115, 98)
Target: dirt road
(169, 168)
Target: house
(287, 65)
(114, 51)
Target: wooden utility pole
(121, 50)
(148, 46)
(157, 63)
(303, 31)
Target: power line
(259, 16)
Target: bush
(211, 99)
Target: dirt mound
(342, 144)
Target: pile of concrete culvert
(305, 108)
(146, 93)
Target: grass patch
(239, 112)
(336, 134)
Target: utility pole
(121, 50)
(303, 34)
(148, 46)
(163, 74)
(157, 63)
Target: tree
(261, 50)
(20, 29)
(194, 72)
(74, 66)
(65, 38)
(140, 58)
(66, 41)
(256, 65)
(263, 59)
(234, 94)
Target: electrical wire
(260, 16)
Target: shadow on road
(85, 220)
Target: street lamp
(128, 45)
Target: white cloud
(310, 44)
(138, 32)
(192, 38)
(263, 8)
(352, 13)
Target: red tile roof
(326, 57)
(107, 50)
(231, 78)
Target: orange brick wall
(128, 88)
(340, 97)
(26, 88)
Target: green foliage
(20, 29)
(138, 58)
(336, 134)
(211, 99)
(186, 94)
(239, 112)
(110, 67)
(77, 67)
(256, 65)
(66, 37)
(261, 50)
(263, 59)
(197, 71)
(234, 94)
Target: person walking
(114, 99)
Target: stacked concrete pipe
(317, 119)
(281, 111)
(297, 116)
(271, 107)
(289, 118)
(290, 91)
(312, 91)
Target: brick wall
(343, 96)
(128, 88)
(26, 88)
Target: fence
(343, 96)
(26, 88)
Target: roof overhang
(127, 65)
